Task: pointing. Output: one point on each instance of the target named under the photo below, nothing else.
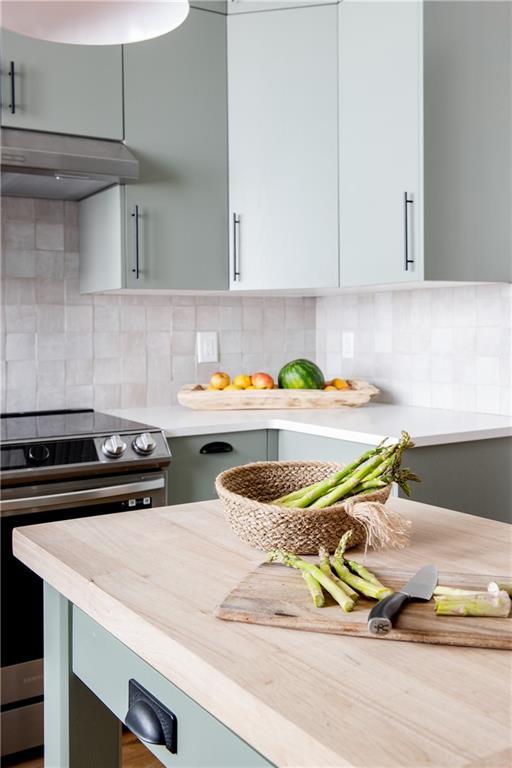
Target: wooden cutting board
(198, 397)
(275, 595)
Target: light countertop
(298, 698)
(368, 425)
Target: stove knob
(37, 454)
(113, 446)
(144, 443)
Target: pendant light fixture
(93, 22)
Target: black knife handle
(380, 618)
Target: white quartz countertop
(369, 424)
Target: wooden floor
(135, 755)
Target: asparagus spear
(311, 492)
(315, 590)
(286, 558)
(498, 586)
(346, 487)
(325, 566)
(363, 586)
(451, 591)
(364, 573)
(475, 604)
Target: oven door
(22, 590)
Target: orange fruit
(262, 381)
(242, 380)
(219, 380)
(232, 388)
(340, 384)
(330, 388)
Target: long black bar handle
(236, 247)
(12, 75)
(407, 202)
(135, 216)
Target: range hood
(61, 167)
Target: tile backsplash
(64, 349)
(443, 347)
(440, 347)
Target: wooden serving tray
(198, 397)
(275, 595)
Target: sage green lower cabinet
(296, 446)
(471, 477)
(191, 474)
(105, 665)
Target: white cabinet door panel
(380, 114)
(282, 96)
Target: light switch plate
(207, 347)
(347, 344)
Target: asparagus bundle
(344, 587)
(374, 469)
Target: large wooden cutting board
(275, 595)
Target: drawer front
(196, 463)
(105, 665)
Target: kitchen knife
(420, 587)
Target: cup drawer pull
(217, 447)
(149, 720)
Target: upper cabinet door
(176, 125)
(74, 89)
(283, 138)
(380, 97)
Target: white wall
(440, 347)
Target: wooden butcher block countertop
(154, 578)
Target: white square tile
(79, 318)
(20, 318)
(18, 208)
(488, 398)
(79, 346)
(230, 318)
(159, 393)
(50, 264)
(183, 368)
(488, 304)
(183, 343)
(21, 374)
(20, 346)
(80, 396)
(442, 341)
(159, 318)
(20, 263)
(133, 395)
(107, 371)
(133, 344)
(183, 318)
(487, 371)
(21, 399)
(19, 235)
(107, 396)
(50, 318)
(158, 342)
(51, 397)
(49, 237)
(159, 368)
(107, 345)
(49, 291)
(207, 318)
(106, 318)
(230, 342)
(49, 211)
(51, 346)
(79, 372)
(252, 317)
(488, 340)
(19, 290)
(133, 318)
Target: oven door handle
(92, 494)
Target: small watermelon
(301, 374)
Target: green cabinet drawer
(105, 665)
(191, 475)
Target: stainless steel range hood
(52, 165)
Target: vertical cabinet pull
(236, 247)
(135, 216)
(12, 73)
(408, 201)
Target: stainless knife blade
(422, 584)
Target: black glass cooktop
(70, 423)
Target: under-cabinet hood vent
(62, 167)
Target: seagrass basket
(246, 493)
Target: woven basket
(246, 491)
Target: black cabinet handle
(135, 216)
(216, 447)
(149, 720)
(12, 105)
(407, 202)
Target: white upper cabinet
(75, 89)
(283, 137)
(252, 6)
(379, 142)
(425, 142)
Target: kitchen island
(133, 596)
